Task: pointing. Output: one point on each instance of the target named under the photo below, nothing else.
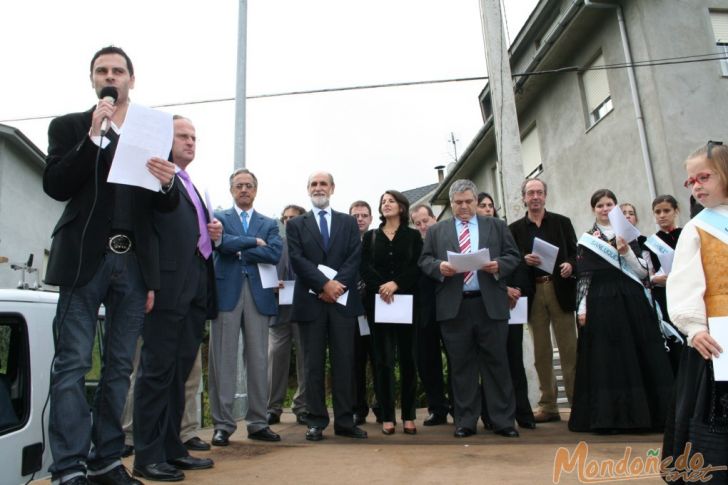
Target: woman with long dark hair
(389, 269)
(623, 377)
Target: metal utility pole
(507, 134)
(240, 85)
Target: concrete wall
(27, 215)
(683, 106)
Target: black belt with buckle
(542, 279)
(120, 243)
(471, 294)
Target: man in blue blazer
(248, 239)
(326, 237)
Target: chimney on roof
(440, 173)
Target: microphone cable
(58, 328)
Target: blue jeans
(77, 438)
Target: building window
(486, 107)
(596, 90)
(531, 153)
(719, 20)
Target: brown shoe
(544, 417)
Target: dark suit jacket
(285, 272)
(179, 232)
(239, 253)
(306, 250)
(494, 235)
(557, 230)
(69, 176)
(383, 261)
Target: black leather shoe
(159, 472)
(196, 444)
(509, 432)
(463, 432)
(76, 481)
(527, 424)
(272, 418)
(315, 433)
(359, 419)
(353, 432)
(116, 476)
(264, 434)
(302, 418)
(191, 463)
(220, 438)
(128, 450)
(435, 419)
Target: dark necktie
(324, 226)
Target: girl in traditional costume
(623, 377)
(697, 296)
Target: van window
(14, 373)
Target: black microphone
(110, 94)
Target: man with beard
(329, 240)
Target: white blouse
(686, 284)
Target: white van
(26, 351)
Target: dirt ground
(433, 456)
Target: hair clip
(711, 144)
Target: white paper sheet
(330, 273)
(468, 261)
(363, 325)
(285, 294)
(399, 311)
(208, 203)
(146, 133)
(519, 313)
(268, 275)
(547, 252)
(719, 331)
(622, 226)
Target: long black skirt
(698, 417)
(624, 381)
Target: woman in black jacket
(389, 268)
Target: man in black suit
(323, 236)
(429, 349)
(362, 212)
(173, 330)
(104, 250)
(472, 309)
(554, 299)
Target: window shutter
(596, 86)
(720, 26)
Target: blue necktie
(324, 226)
(244, 217)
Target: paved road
(433, 456)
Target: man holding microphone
(104, 250)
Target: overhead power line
(647, 63)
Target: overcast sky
(185, 51)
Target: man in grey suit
(472, 309)
(281, 338)
(249, 239)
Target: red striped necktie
(464, 241)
